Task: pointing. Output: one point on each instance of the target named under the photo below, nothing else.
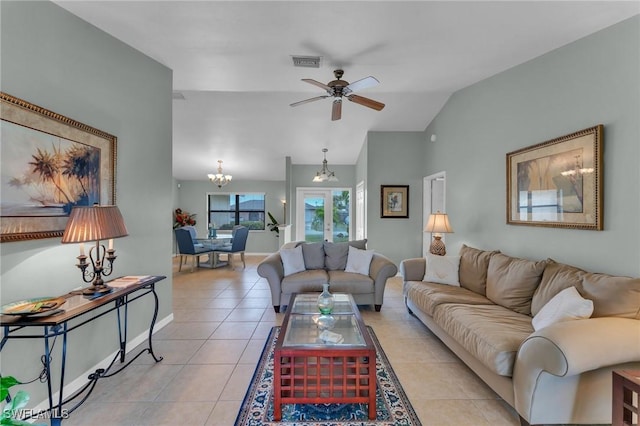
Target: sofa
(348, 267)
(545, 336)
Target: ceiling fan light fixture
(325, 174)
(220, 179)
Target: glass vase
(325, 300)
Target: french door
(313, 223)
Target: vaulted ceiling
(232, 63)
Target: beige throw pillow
(564, 306)
(511, 281)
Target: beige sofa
(325, 263)
(559, 374)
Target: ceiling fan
(340, 88)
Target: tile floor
(221, 320)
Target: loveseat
(484, 306)
(348, 267)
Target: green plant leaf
(5, 383)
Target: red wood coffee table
(309, 370)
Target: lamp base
(437, 247)
(96, 289)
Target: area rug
(392, 405)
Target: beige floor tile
(252, 352)
(229, 303)
(177, 352)
(224, 413)
(238, 383)
(219, 352)
(254, 314)
(198, 383)
(177, 413)
(196, 315)
(234, 330)
(449, 412)
(254, 302)
(187, 330)
(497, 412)
(138, 382)
(94, 413)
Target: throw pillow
(473, 268)
(511, 281)
(564, 306)
(442, 270)
(313, 254)
(358, 261)
(336, 253)
(292, 260)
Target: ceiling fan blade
(320, 85)
(361, 84)
(336, 111)
(366, 102)
(306, 101)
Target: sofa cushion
(511, 281)
(292, 260)
(306, 281)
(358, 261)
(336, 253)
(612, 296)
(473, 268)
(313, 254)
(555, 278)
(350, 282)
(564, 306)
(428, 295)
(490, 333)
(442, 269)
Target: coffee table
(309, 370)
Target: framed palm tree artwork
(49, 164)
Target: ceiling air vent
(306, 61)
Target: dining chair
(238, 245)
(187, 248)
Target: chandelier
(220, 179)
(325, 174)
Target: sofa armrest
(568, 349)
(573, 347)
(380, 270)
(413, 269)
(271, 268)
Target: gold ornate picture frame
(394, 201)
(558, 183)
(50, 163)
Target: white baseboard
(81, 380)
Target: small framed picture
(394, 201)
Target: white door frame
(429, 198)
(361, 211)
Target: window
(229, 210)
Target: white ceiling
(232, 62)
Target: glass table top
(304, 319)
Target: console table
(76, 311)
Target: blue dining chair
(238, 245)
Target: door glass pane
(341, 215)
(313, 218)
